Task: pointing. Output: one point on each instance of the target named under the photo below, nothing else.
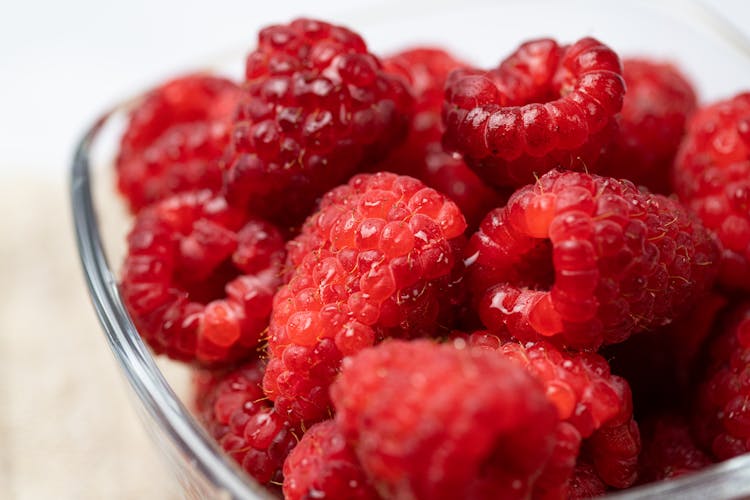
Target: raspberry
(553, 482)
(614, 452)
(422, 154)
(586, 260)
(232, 408)
(425, 69)
(712, 176)
(316, 106)
(378, 260)
(660, 366)
(657, 104)
(175, 139)
(323, 465)
(199, 277)
(545, 106)
(450, 175)
(585, 395)
(668, 449)
(721, 419)
(432, 421)
(585, 482)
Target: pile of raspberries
(406, 277)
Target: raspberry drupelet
(721, 414)
(545, 106)
(175, 139)
(422, 154)
(669, 450)
(712, 176)
(654, 113)
(234, 411)
(586, 395)
(587, 260)
(430, 421)
(316, 107)
(199, 277)
(378, 260)
(323, 465)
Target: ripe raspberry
(422, 154)
(175, 139)
(669, 450)
(545, 106)
(425, 69)
(613, 450)
(585, 482)
(586, 260)
(712, 176)
(585, 395)
(376, 261)
(553, 482)
(660, 366)
(316, 106)
(432, 421)
(721, 419)
(323, 465)
(199, 277)
(657, 104)
(234, 411)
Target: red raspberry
(585, 395)
(234, 411)
(613, 450)
(712, 176)
(660, 366)
(721, 419)
(429, 421)
(553, 482)
(585, 482)
(545, 106)
(422, 154)
(425, 69)
(175, 139)
(323, 465)
(587, 260)
(317, 105)
(376, 261)
(199, 277)
(657, 104)
(669, 450)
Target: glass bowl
(706, 46)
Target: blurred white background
(67, 429)
(62, 63)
